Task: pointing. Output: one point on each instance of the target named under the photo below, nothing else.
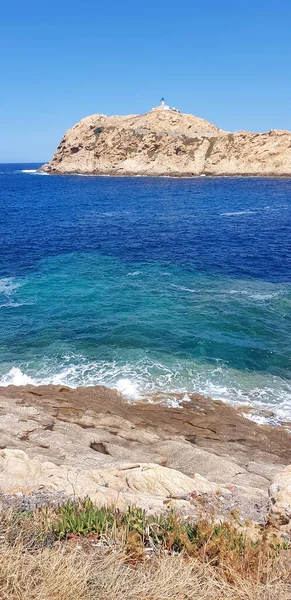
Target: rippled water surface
(147, 284)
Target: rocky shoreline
(89, 441)
(173, 175)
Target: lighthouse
(162, 105)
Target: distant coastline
(166, 176)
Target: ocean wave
(16, 377)
(186, 289)
(248, 294)
(256, 295)
(8, 285)
(144, 379)
(8, 288)
(264, 296)
(238, 213)
(12, 304)
(134, 273)
(32, 172)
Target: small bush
(212, 141)
(83, 519)
(98, 130)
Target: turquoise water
(147, 285)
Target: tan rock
(280, 498)
(167, 142)
(146, 485)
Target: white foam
(8, 286)
(238, 213)
(259, 419)
(16, 377)
(32, 172)
(186, 398)
(172, 402)
(256, 296)
(128, 389)
(264, 296)
(12, 304)
(183, 289)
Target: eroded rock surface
(90, 441)
(168, 143)
(144, 484)
(280, 496)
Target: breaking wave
(268, 396)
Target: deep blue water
(147, 284)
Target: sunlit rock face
(165, 141)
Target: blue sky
(227, 61)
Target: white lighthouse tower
(162, 105)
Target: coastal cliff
(167, 142)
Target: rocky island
(166, 142)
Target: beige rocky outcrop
(143, 484)
(167, 142)
(280, 498)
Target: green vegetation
(168, 531)
(98, 130)
(212, 141)
(82, 519)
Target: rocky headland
(168, 143)
(89, 441)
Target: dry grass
(121, 566)
(71, 574)
(43, 575)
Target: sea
(158, 287)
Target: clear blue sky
(227, 61)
